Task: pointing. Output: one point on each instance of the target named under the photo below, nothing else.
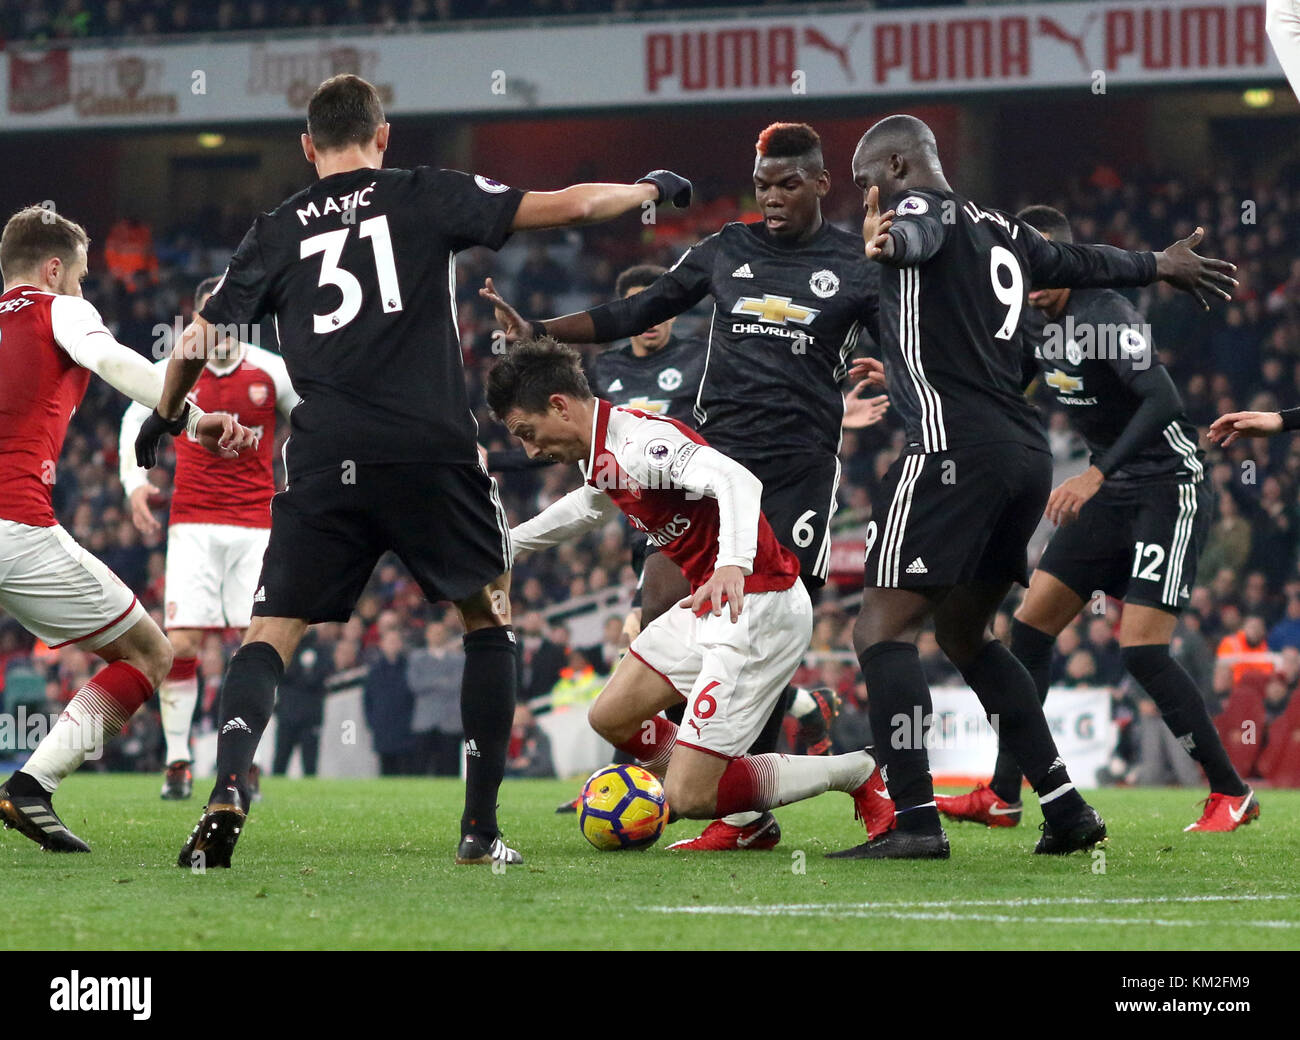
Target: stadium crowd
(1243, 627)
(38, 21)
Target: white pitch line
(960, 903)
(943, 910)
(898, 915)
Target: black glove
(672, 187)
(151, 432)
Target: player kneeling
(732, 645)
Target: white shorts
(729, 675)
(212, 572)
(58, 591)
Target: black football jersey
(785, 321)
(358, 271)
(665, 382)
(1087, 358)
(952, 300)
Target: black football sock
(1007, 693)
(247, 699)
(1183, 709)
(21, 785)
(900, 710)
(1033, 649)
(487, 709)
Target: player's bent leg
(691, 783)
(1049, 605)
(177, 697)
(1145, 632)
(487, 705)
(134, 662)
(625, 710)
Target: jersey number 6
(331, 245)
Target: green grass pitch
(337, 864)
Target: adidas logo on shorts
(260, 595)
(917, 566)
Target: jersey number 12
(331, 245)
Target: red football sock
(653, 744)
(93, 717)
(749, 784)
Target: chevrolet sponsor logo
(775, 310)
(1066, 384)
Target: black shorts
(1140, 545)
(798, 500)
(445, 523)
(953, 517)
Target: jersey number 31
(331, 245)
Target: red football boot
(720, 836)
(1223, 812)
(980, 806)
(873, 806)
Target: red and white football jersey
(671, 485)
(40, 390)
(208, 489)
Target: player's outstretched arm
(1060, 265)
(575, 514)
(1228, 428)
(672, 293)
(1182, 268)
(594, 203)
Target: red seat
(1279, 763)
(1242, 724)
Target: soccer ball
(623, 807)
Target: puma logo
(1052, 28)
(816, 38)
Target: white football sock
(90, 719)
(177, 698)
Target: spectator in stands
(300, 705)
(1277, 695)
(1287, 631)
(1228, 546)
(434, 672)
(1192, 650)
(579, 681)
(529, 752)
(388, 704)
(547, 662)
(1246, 651)
(128, 252)
(1106, 656)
